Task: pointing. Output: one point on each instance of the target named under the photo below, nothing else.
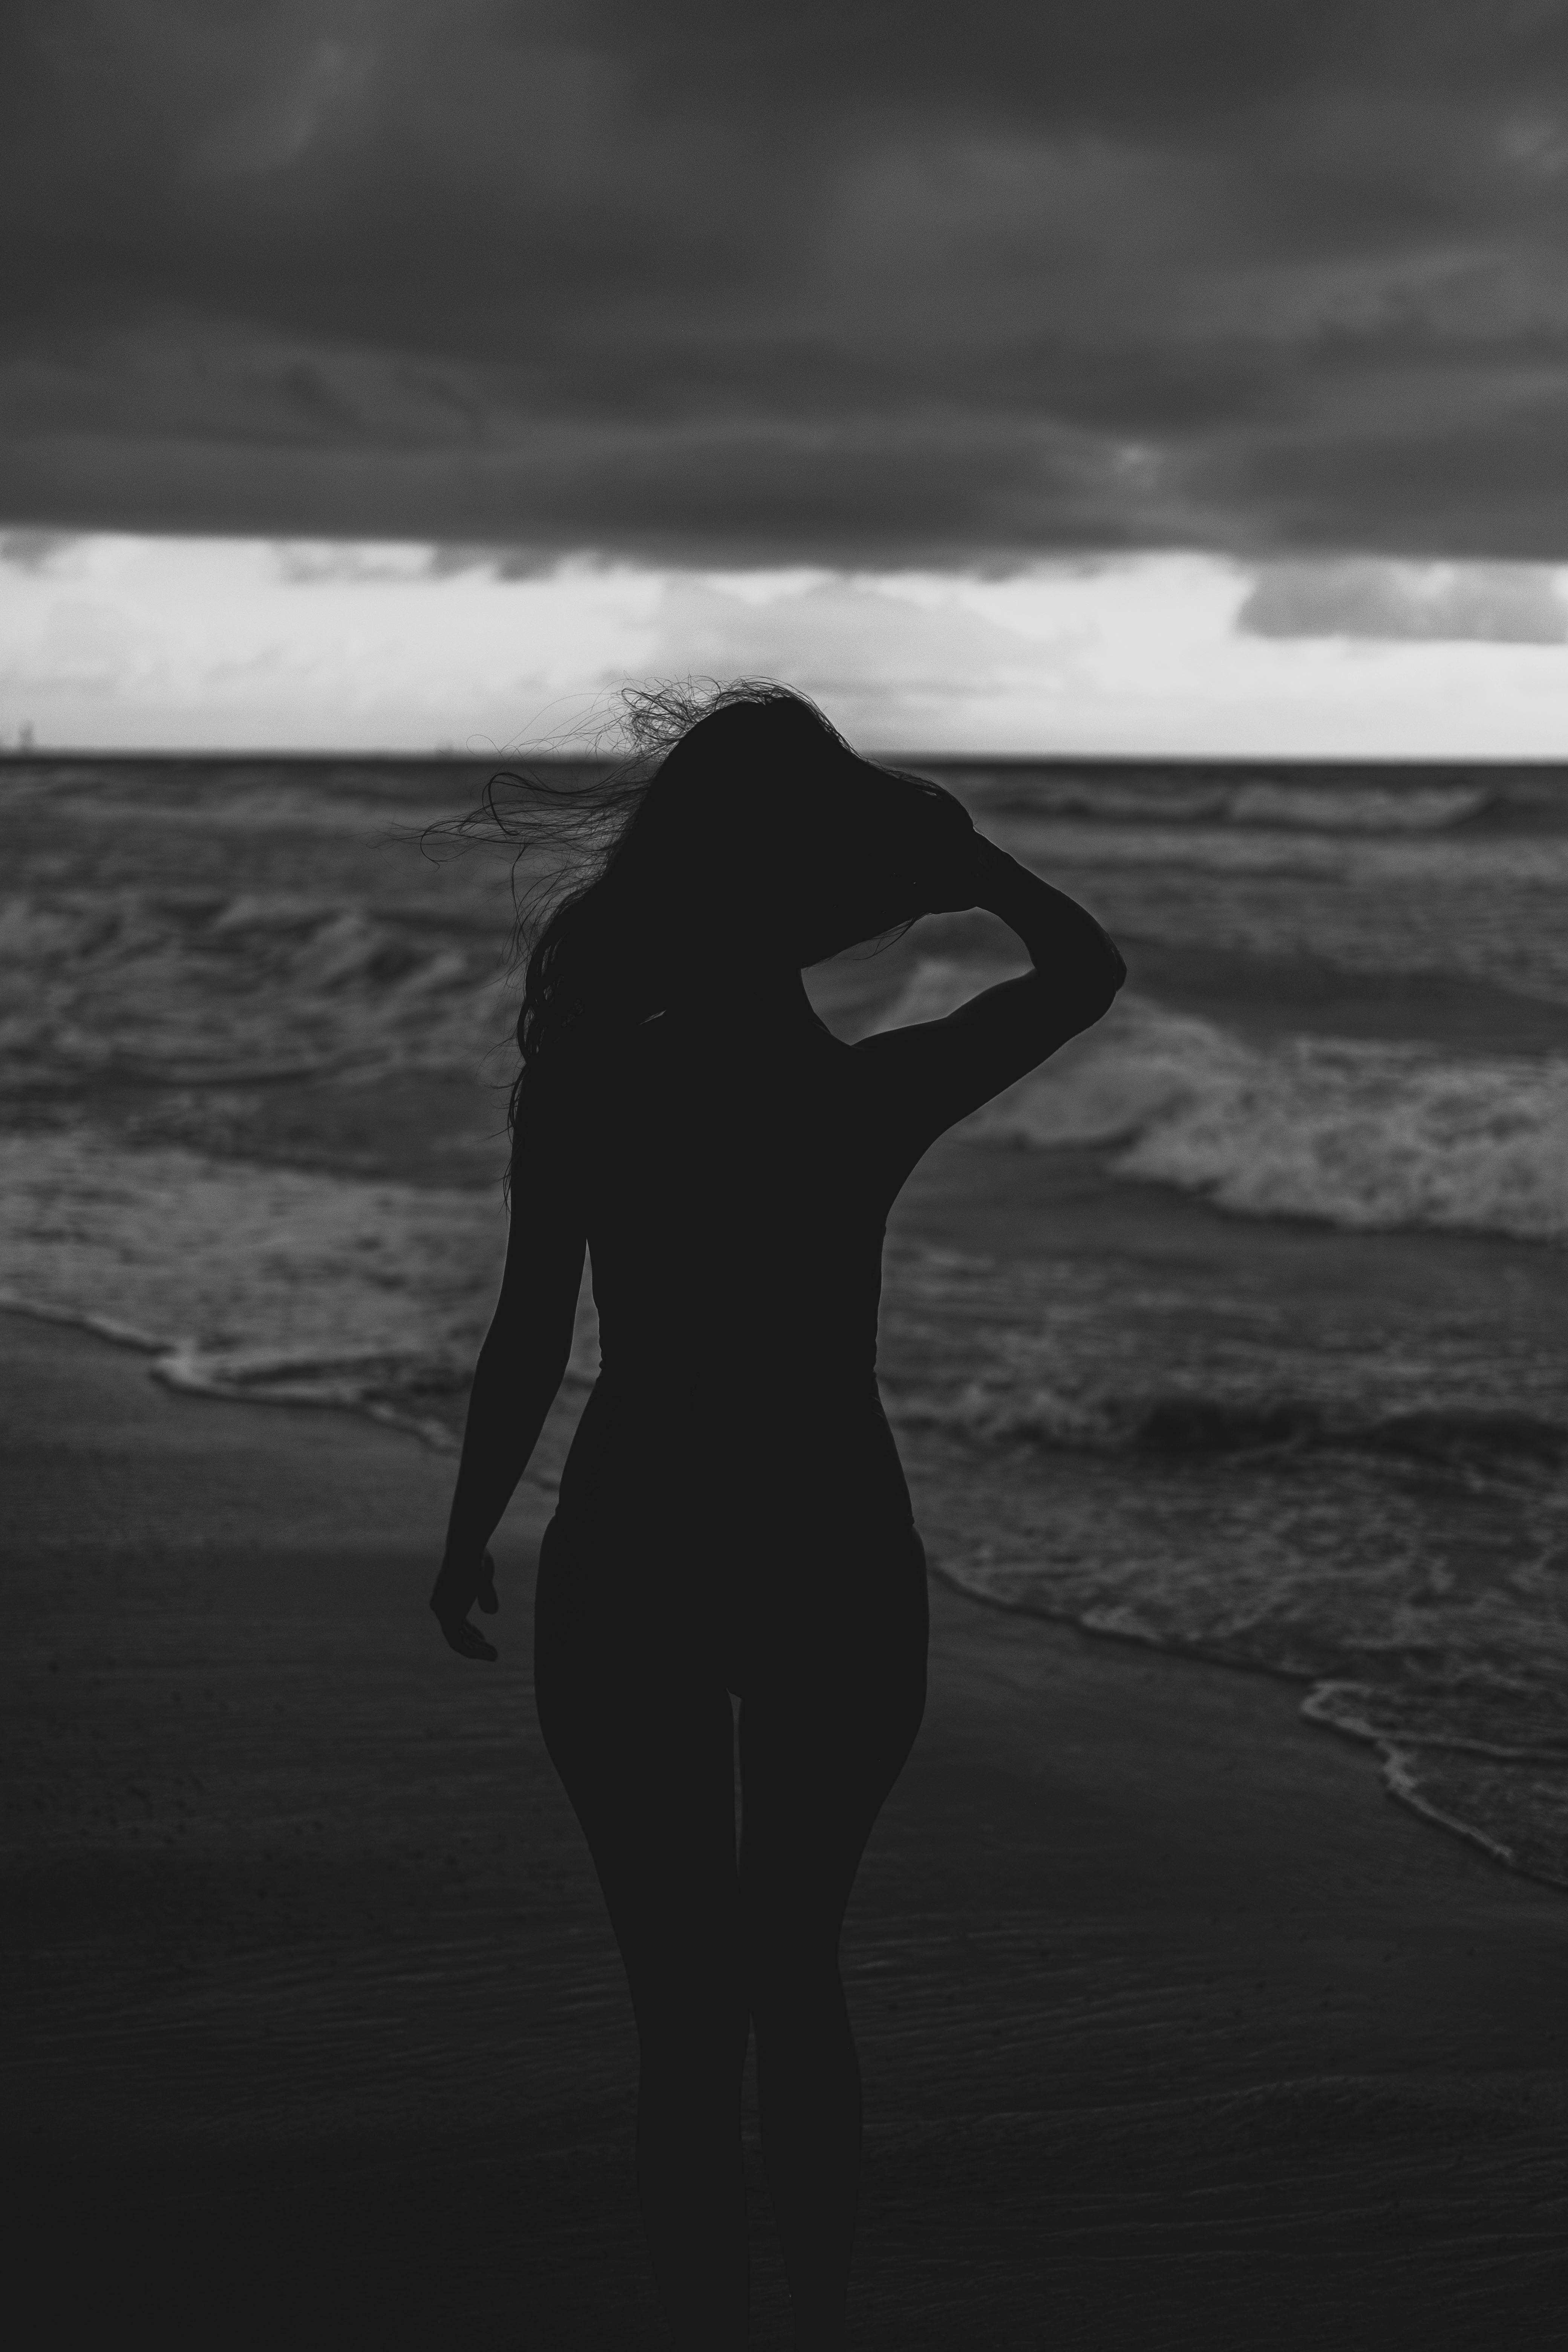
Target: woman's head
(759, 832)
(743, 828)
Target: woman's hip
(655, 1602)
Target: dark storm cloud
(826, 283)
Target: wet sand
(1175, 2030)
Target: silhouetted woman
(732, 1516)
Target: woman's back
(735, 1185)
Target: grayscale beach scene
(784, 1176)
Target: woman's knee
(799, 2034)
(794, 1974)
(692, 2042)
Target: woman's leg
(819, 1752)
(644, 1739)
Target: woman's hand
(458, 1588)
(964, 877)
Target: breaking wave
(1186, 1424)
(198, 988)
(1361, 1135)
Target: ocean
(1240, 1329)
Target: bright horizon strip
(110, 641)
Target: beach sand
(1175, 2030)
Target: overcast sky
(698, 285)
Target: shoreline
(1172, 2034)
(173, 1365)
(1392, 1762)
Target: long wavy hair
(731, 804)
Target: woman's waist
(829, 1449)
(750, 1402)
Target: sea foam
(283, 1287)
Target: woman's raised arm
(939, 1071)
(520, 1370)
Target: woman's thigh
(824, 1730)
(639, 1724)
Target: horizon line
(16, 755)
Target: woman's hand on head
(459, 1587)
(960, 877)
(924, 857)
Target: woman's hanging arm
(948, 1068)
(516, 1378)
